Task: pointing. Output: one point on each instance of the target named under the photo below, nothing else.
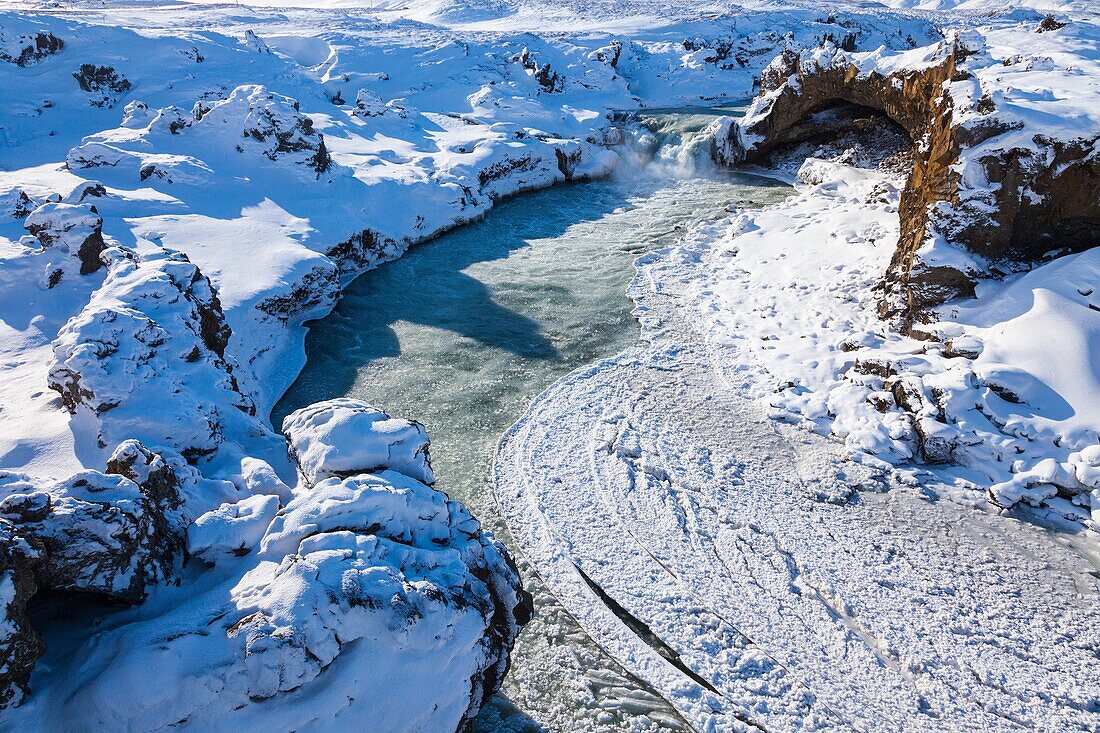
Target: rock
(153, 331)
(16, 203)
(317, 291)
(344, 436)
(1001, 201)
(85, 189)
(937, 440)
(20, 646)
(231, 529)
(358, 583)
(369, 104)
(269, 123)
(390, 516)
(100, 533)
(76, 228)
(259, 478)
(24, 50)
(549, 81)
(103, 82)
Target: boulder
(99, 533)
(103, 83)
(74, 227)
(25, 49)
(269, 123)
(345, 436)
(153, 331)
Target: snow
(199, 180)
(345, 436)
(748, 569)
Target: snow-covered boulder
(372, 597)
(75, 228)
(16, 203)
(231, 529)
(100, 533)
(369, 104)
(103, 83)
(268, 123)
(23, 49)
(345, 436)
(160, 142)
(154, 332)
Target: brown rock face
(20, 646)
(1039, 198)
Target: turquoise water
(462, 332)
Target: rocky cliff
(995, 171)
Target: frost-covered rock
(154, 331)
(24, 49)
(100, 533)
(369, 104)
(75, 228)
(159, 143)
(103, 83)
(345, 436)
(269, 123)
(369, 579)
(16, 203)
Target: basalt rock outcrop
(990, 186)
(75, 228)
(20, 646)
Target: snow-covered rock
(231, 529)
(100, 533)
(154, 331)
(1004, 167)
(23, 49)
(268, 123)
(76, 229)
(345, 436)
(20, 646)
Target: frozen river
(463, 332)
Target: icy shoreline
(754, 575)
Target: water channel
(463, 332)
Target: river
(463, 332)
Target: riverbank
(747, 569)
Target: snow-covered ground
(184, 185)
(747, 568)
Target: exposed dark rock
(549, 80)
(20, 646)
(567, 162)
(1049, 23)
(1037, 197)
(320, 286)
(359, 250)
(76, 227)
(104, 82)
(29, 49)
